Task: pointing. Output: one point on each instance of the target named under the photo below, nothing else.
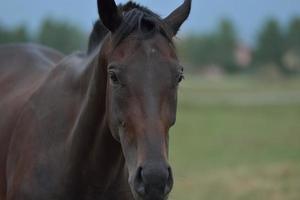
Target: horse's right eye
(113, 77)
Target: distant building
(243, 55)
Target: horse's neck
(95, 158)
(91, 114)
(106, 173)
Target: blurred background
(238, 129)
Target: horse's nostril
(153, 180)
(170, 182)
(139, 185)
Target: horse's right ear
(109, 14)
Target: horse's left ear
(109, 14)
(178, 16)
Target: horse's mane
(135, 18)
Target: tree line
(275, 45)
(60, 35)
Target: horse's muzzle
(153, 182)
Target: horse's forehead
(155, 47)
(158, 45)
(150, 58)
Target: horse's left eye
(180, 77)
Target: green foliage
(227, 42)
(197, 50)
(61, 35)
(216, 48)
(19, 34)
(270, 46)
(293, 36)
(274, 47)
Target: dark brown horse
(94, 125)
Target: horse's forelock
(145, 23)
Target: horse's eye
(180, 77)
(113, 77)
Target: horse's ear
(109, 14)
(178, 16)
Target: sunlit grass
(237, 139)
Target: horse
(95, 124)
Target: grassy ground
(237, 139)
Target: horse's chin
(137, 197)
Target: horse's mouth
(150, 197)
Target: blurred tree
(18, 34)
(61, 35)
(213, 49)
(270, 44)
(4, 35)
(226, 44)
(292, 55)
(198, 50)
(293, 36)
(21, 34)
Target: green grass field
(237, 139)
